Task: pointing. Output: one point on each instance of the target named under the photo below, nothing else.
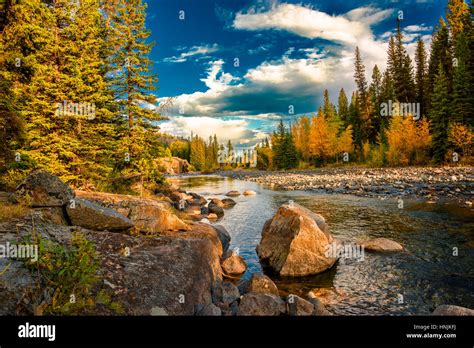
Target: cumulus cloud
(238, 131)
(202, 50)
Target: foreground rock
(224, 237)
(44, 190)
(382, 245)
(453, 310)
(95, 217)
(234, 265)
(260, 284)
(298, 306)
(294, 242)
(261, 304)
(168, 275)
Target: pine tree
(440, 111)
(133, 80)
(463, 104)
(402, 70)
(343, 108)
(375, 94)
(421, 74)
(364, 104)
(440, 54)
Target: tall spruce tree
(343, 108)
(440, 111)
(375, 94)
(441, 53)
(421, 74)
(364, 103)
(133, 79)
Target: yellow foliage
(461, 137)
(408, 141)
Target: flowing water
(435, 268)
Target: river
(435, 268)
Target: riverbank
(430, 184)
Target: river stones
(294, 242)
(249, 193)
(228, 203)
(382, 245)
(217, 202)
(233, 193)
(214, 208)
(233, 265)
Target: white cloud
(237, 131)
(193, 51)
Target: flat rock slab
(453, 310)
(95, 217)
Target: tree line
(409, 114)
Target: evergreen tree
(133, 80)
(364, 104)
(343, 108)
(463, 104)
(440, 54)
(375, 94)
(403, 70)
(421, 74)
(440, 110)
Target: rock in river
(382, 245)
(294, 242)
(234, 265)
(233, 193)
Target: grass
(12, 211)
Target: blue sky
(236, 67)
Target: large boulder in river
(44, 190)
(451, 310)
(261, 304)
(382, 245)
(259, 283)
(95, 217)
(294, 242)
